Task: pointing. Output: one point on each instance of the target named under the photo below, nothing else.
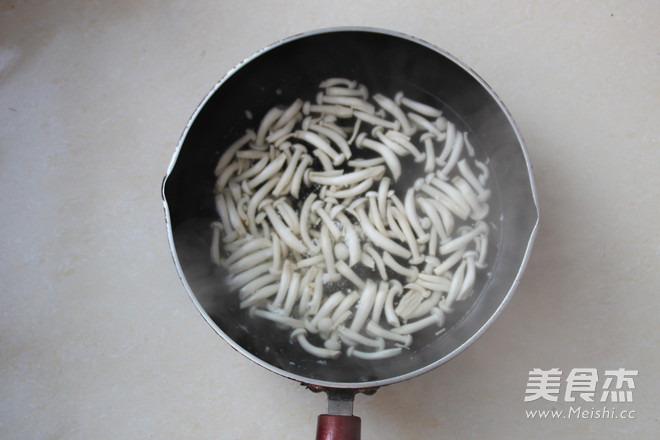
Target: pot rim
(314, 383)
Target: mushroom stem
(353, 191)
(334, 137)
(349, 274)
(464, 239)
(416, 106)
(280, 319)
(298, 175)
(392, 108)
(283, 185)
(229, 153)
(390, 314)
(365, 306)
(286, 235)
(373, 355)
(320, 352)
(375, 330)
(268, 120)
(268, 172)
(379, 239)
(404, 141)
(437, 317)
(390, 158)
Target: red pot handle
(336, 427)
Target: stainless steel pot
(386, 62)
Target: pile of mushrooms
(318, 235)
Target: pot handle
(339, 423)
(338, 427)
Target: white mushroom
(278, 318)
(456, 283)
(482, 246)
(372, 119)
(392, 108)
(408, 303)
(379, 239)
(268, 120)
(413, 217)
(429, 151)
(352, 240)
(390, 314)
(456, 150)
(252, 260)
(374, 214)
(254, 169)
(450, 141)
(437, 317)
(225, 175)
(345, 306)
(283, 186)
(383, 192)
(349, 274)
(373, 355)
(229, 153)
(336, 110)
(298, 175)
(307, 290)
(349, 101)
(254, 285)
(485, 173)
(324, 353)
(375, 330)
(416, 106)
(453, 193)
(427, 125)
(223, 212)
(360, 91)
(286, 235)
(261, 295)
(279, 136)
(338, 81)
(449, 262)
(351, 192)
(318, 209)
(464, 239)
(378, 261)
(467, 173)
(390, 158)
(366, 163)
(353, 338)
(344, 179)
(271, 169)
(404, 141)
(292, 294)
(327, 308)
(438, 226)
(405, 227)
(243, 278)
(479, 210)
(468, 145)
(468, 280)
(289, 114)
(365, 306)
(327, 250)
(334, 137)
(379, 301)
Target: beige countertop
(98, 338)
